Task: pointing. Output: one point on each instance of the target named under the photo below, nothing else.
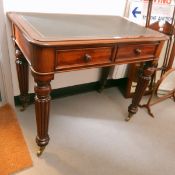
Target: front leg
(143, 81)
(42, 109)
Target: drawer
(83, 57)
(135, 52)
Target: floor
(90, 137)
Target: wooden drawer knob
(87, 58)
(138, 51)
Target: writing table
(53, 43)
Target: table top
(44, 27)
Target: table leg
(22, 71)
(104, 78)
(143, 81)
(42, 109)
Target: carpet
(14, 154)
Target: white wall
(107, 7)
(5, 70)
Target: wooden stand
(167, 29)
(166, 69)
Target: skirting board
(77, 89)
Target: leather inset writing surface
(57, 27)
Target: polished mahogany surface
(68, 27)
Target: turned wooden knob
(138, 51)
(87, 58)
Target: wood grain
(136, 51)
(77, 57)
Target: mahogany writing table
(53, 43)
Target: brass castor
(23, 108)
(25, 101)
(128, 118)
(40, 151)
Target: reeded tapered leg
(42, 109)
(22, 71)
(143, 81)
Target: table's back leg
(22, 71)
(104, 77)
(143, 81)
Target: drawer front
(135, 52)
(83, 57)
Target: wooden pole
(150, 4)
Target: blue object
(134, 12)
